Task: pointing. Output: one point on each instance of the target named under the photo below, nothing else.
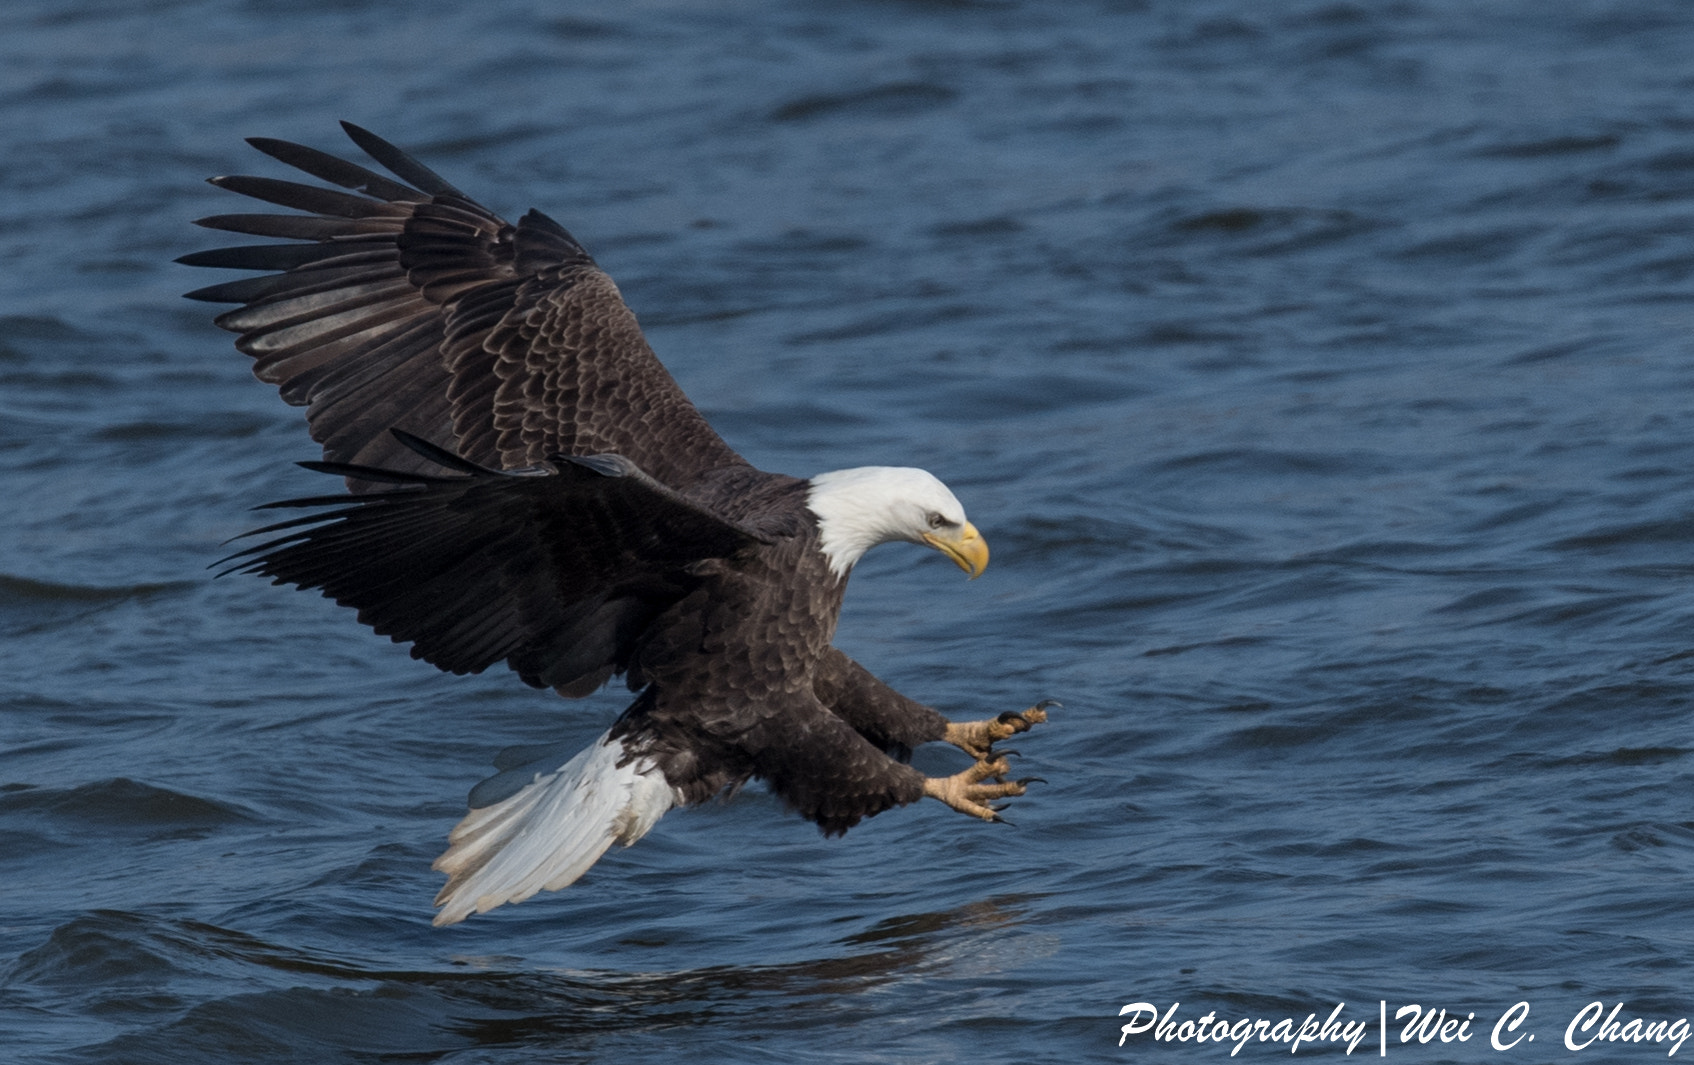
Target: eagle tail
(548, 831)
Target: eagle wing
(405, 304)
(556, 571)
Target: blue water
(1322, 376)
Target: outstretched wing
(405, 304)
(556, 571)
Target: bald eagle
(526, 483)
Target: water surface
(1320, 374)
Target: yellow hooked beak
(963, 545)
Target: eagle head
(859, 508)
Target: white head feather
(869, 505)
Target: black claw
(998, 820)
(1049, 704)
(1007, 752)
(1026, 781)
(1010, 716)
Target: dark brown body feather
(578, 517)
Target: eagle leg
(966, 792)
(977, 738)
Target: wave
(119, 802)
(23, 590)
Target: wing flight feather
(404, 304)
(554, 570)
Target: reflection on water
(130, 964)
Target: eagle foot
(966, 792)
(977, 738)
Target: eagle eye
(936, 521)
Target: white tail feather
(551, 831)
